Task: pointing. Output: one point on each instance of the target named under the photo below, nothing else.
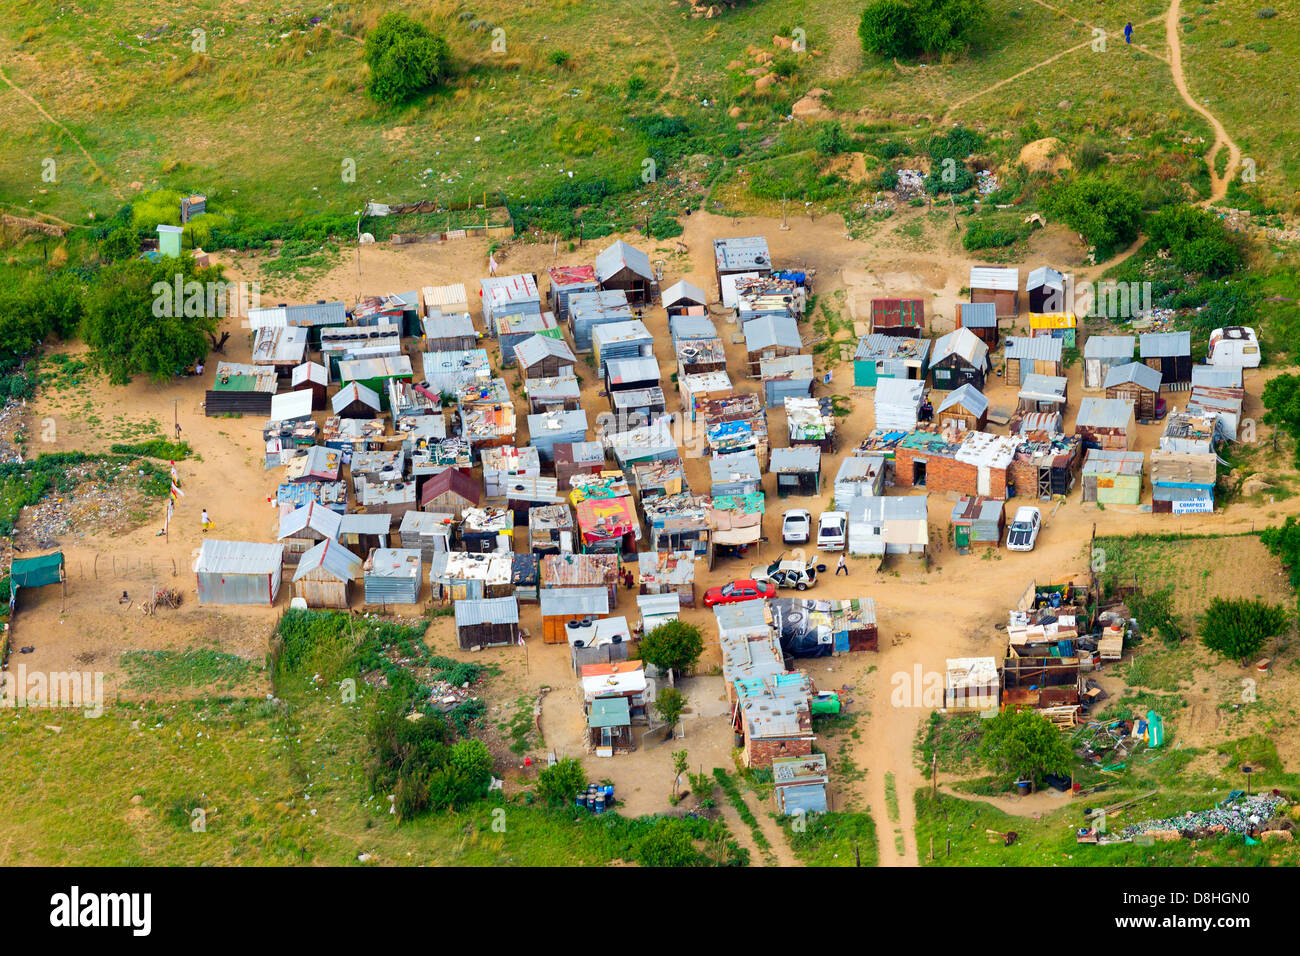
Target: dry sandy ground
(925, 617)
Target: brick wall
(759, 753)
(945, 474)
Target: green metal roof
(609, 712)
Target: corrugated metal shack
(668, 572)
(638, 406)
(977, 522)
(554, 428)
(693, 325)
(386, 497)
(526, 576)
(523, 494)
(490, 622)
(324, 575)
(799, 784)
(448, 372)
(454, 332)
(508, 295)
(551, 529)
(741, 255)
(514, 330)
(657, 609)
(654, 479)
(590, 310)
(630, 374)
(960, 358)
(1043, 469)
(1042, 393)
(882, 356)
(1170, 354)
(314, 317)
(701, 387)
(653, 442)
(280, 348)
(697, 355)
(313, 376)
(1136, 383)
(608, 525)
(682, 298)
(1059, 325)
(1026, 355)
(898, 403)
(301, 529)
(1113, 477)
(582, 571)
(246, 389)
(284, 441)
(487, 529)
(506, 462)
(789, 376)
(966, 407)
(458, 576)
(982, 319)
(450, 492)
(356, 401)
(361, 533)
(566, 281)
(428, 531)
(811, 421)
(737, 474)
(905, 317)
(559, 606)
(678, 523)
(447, 298)
(615, 340)
(577, 458)
(798, 470)
(554, 393)
(1101, 353)
(770, 336)
(1046, 289)
(1105, 423)
(238, 572)
(626, 269)
(1001, 286)
(540, 356)
(859, 476)
(1226, 403)
(487, 415)
(352, 343)
(393, 576)
(376, 373)
(332, 494)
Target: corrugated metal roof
(1036, 348)
(979, 315)
(742, 254)
(309, 372)
(537, 348)
(964, 344)
(1164, 344)
(561, 601)
(990, 277)
(654, 605)
(740, 466)
(1103, 413)
(504, 290)
(1045, 277)
(1216, 376)
(370, 523)
(238, 557)
(1108, 347)
(1102, 462)
(609, 712)
(768, 331)
(323, 313)
(795, 459)
(878, 347)
(313, 515)
(442, 296)
(332, 557)
(395, 563)
(503, 610)
(1042, 387)
(683, 290)
(291, 406)
(619, 256)
(1135, 372)
(968, 397)
(354, 392)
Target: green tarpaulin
(37, 572)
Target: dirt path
(1218, 184)
(63, 129)
(780, 849)
(740, 831)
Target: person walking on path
(842, 566)
(1128, 33)
(207, 521)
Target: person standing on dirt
(842, 566)
(492, 264)
(178, 431)
(1128, 33)
(207, 521)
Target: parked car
(1022, 535)
(796, 526)
(744, 589)
(832, 530)
(791, 573)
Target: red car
(745, 589)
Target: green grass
(833, 839)
(154, 671)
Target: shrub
(1238, 628)
(558, 784)
(831, 140)
(1197, 240)
(892, 28)
(404, 59)
(1106, 214)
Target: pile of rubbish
(986, 182)
(911, 182)
(1243, 816)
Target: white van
(1234, 345)
(832, 530)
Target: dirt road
(1218, 183)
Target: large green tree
(405, 58)
(1281, 398)
(912, 27)
(1024, 743)
(1106, 214)
(136, 324)
(676, 645)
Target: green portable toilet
(169, 241)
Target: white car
(796, 526)
(832, 530)
(1023, 533)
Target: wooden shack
(1001, 286)
(1026, 355)
(488, 622)
(324, 575)
(1136, 383)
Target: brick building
(968, 463)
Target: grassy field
(264, 119)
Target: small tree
(1238, 628)
(558, 785)
(679, 767)
(404, 58)
(674, 645)
(1024, 743)
(669, 705)
(1281, 397)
